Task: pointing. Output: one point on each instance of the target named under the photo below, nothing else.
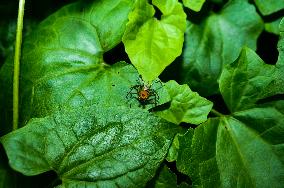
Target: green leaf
(217, 41)
(153, 44)
(166, 179)
(273, 27)
(173, 150)
(92, 147)
(186, 106)
(195, 5)
(63, 58)
(242, 150)
(248, 80)
(245, 148)
(267, 7)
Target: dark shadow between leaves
(45, 180)
(267, 47)
(271, 99)
(116, 54)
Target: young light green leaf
(64, 56)
(248, 80)
(267, 7)
(92, 147)
(153, 44)
(217, 41)
(195, 5)
(186, 106)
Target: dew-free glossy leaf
(217, 41)
(87, 146)
(242, 150)
(248, 80)
(267, 7)
(153, 44)
(63, 57)
(195, 5)
(186, 106)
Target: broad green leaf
(244, 148)
(91, 147)
(186, 106)
(153, 44)
(267, 7)
(273, 27)
(63, 58)
(195, 5)
(248, 80)
(217, 41)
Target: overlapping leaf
(248, 80)
(87, 146)
(195, 5)
(186, 106)
(217, 41)
(153, 44)
(273, 27)
(64, 56)
(267, 7)
(244, 148)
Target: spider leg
(130, 92)
(154, 93)
(153, 100)
(161, 84)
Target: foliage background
(266, 49)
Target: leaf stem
(17, 64)
(215, 112)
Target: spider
(143, 93)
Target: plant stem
(17, 64)
(215, 112)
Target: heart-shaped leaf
(153, 44)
